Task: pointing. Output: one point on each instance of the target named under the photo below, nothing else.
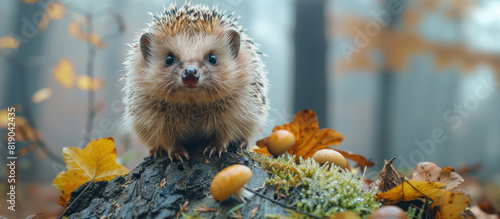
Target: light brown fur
(229, 104)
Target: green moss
(324, 189)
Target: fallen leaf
(89, 84)
(450, 205)
(359, 159)
(41, 95)
(409, 190)
(29, 1)
(8, 42)
(309, 138)
(388, 177)
(64, 73)
(428, 171)
(96, 162)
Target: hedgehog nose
(190, 76)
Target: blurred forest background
(416, 80)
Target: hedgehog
(194, 77)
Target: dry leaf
(431, 182)
(88, 84)
(29, 1)
(96, 162)
(428, 171)
(64, 73)
(41, 95)
(450, 205)
(409, 190)
(8, 42)
(388, 177)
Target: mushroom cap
(229, 181)
(389, 211)
(348, 214)
(331, 156)
(280, 141)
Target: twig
(282, 205)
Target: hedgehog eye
(170, 59)
(212, 59)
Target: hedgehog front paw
(176, 153)
(214, 148)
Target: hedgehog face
(192, 66)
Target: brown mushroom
(389, 211)
(280, 141)
(331, 156)
(230, 181)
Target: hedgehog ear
(234, 42)
(145, 42)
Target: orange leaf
(450, 205)
(29, 1)
(309, 139)
(87, 83)
(64, 73)
(8, 42)
(359, 159)
(409, 190)
(41, 95)
(96, 162)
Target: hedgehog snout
(190, 76)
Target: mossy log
(157, 188)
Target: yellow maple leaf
(409, 190)
(64, 73)
(96, 162)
